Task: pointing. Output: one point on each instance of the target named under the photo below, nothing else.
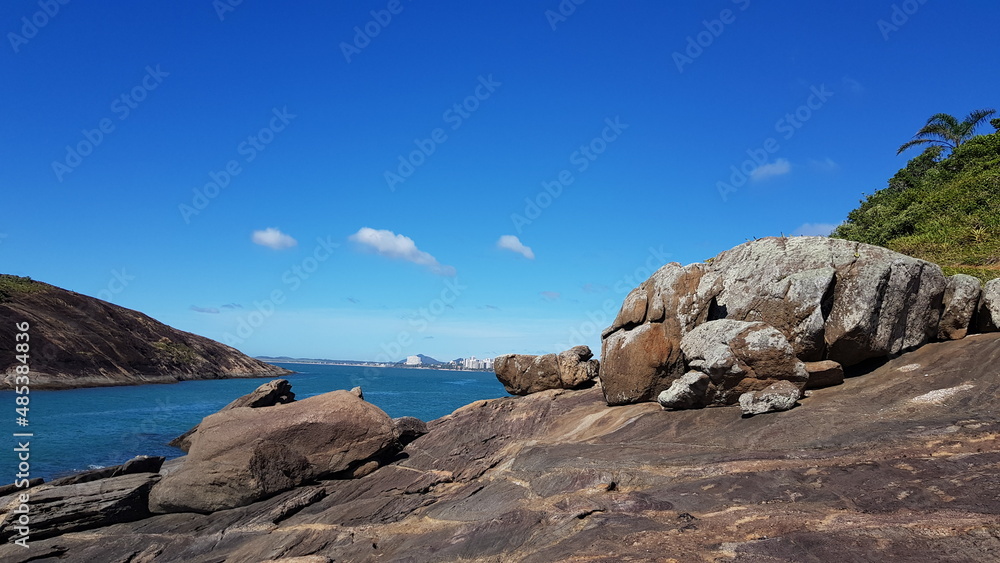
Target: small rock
(824, 374)
(686, 392)
(408, 429)
(780, 396)
(524, 374)
(357, 391)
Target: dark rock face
(831, 299)
(739, 357)
(56, 510)
(898, 464)
(524, 374)
(243, 455)
(277, 392)
(408, 429)
(824, 373)
(138, 464)
(79, 341)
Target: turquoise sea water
(78, 429)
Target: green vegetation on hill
(12, 285)
(943, 208)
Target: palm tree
(950, 132)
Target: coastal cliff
(80, 341)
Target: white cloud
(825, 165)
(399, 247)
(209, 310)
(551, 295)
(273, 238)
(779, 167)
(814, 230)
(511, 242)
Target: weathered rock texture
(524, 374)
(739, 357)
(989, 308)
(277, 392)
(688, 391)
(779, 396)
(899, 464)
(79, 341)
(961, 298)
(243, 455)
(832, 299)
(55, 510)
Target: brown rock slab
(825, 373)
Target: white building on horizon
(473, 363)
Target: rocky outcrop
(79, 341)
(54, 510)
(831, 299)
(138, 464)
(739, 357)
(898, 464)
(277, 392)
(824, 373)
(776, 397)
(961, 298)
(244, 455)
(524, 374)
(989, 307)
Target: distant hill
(943, 210)
(80, 341)
(424, 361)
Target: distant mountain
(78, 341)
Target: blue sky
(333, 179)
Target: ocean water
(80, 429)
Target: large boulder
(831, 299)
(739, 357)
(524, 374)
(276, 392)
(989, 307)
(242, 455)
(961, 297)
